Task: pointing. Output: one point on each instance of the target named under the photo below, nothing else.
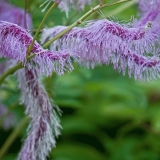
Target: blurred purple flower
(15, 15)
(14, 43)
(150, 11)
(145, 6)
(103, 35)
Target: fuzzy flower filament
(45, 124)
(104, 33)
(104, 42)
(14, 43)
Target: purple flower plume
(15, 15)
(14, 43)
(104, 34)
(103, 41)
(45, 124)
(145, 6)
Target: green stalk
(12, 137)
(79, 21)
(10, 71)
(100, 6)
(121, 8)
(40, 27)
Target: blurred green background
(106, 116)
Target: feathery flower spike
(149, 5)
(45, 124)
(14, 42)
(103, 42)
(103, 35)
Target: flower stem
(40, 26)
(20, 65)
(12, 137)
(10, 71)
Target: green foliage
(105, 115)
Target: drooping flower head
(45, 125)
(145, 6)
(104, 41)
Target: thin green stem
(12, 137)
(121, 8)
(14, 69)
(100, 6)
(10, 72)
(40, 26)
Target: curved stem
(14, 69)
(40, 27)
(20, 65)
(121, 8)
(10, 71)
(12, 137)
